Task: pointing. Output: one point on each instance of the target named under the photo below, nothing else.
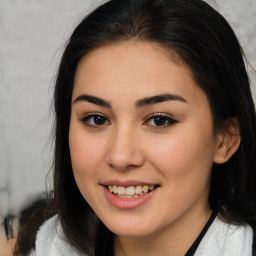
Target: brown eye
(160, 121)
(95, 120)
(99, 120)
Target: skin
(129, 145)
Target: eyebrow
(93, 99)
(159, 99)
(139, 103)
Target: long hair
(204, 41)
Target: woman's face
(141, 139)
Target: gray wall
(32, 35)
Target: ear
(228, 141)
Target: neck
(175, 239)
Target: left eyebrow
(158, 99)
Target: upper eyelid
(159, 114)
(169, 117)
(148, 116)
(89, 115)
(85, 115)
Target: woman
(155, 136)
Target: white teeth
(138, 190)
(115, 190)
(121, 190)
(131, 191)
(145, 189)
(126, 196)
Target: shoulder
(50, 240)
(223, 239)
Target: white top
(221, 239)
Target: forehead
(129, 67)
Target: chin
(130, 227)
(131, 231)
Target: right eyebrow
(92, 99)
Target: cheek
(84, 150)
(184, 154)
(81, 157)
(85, 157)
(185, 164)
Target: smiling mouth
(131, 191)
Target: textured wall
(32, 34)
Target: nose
(125, 151)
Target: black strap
(191, 251)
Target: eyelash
(166, 118)
(168, 121)
(85, 120)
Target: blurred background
(32, 37)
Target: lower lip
(128, 203)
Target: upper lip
(127, 183)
